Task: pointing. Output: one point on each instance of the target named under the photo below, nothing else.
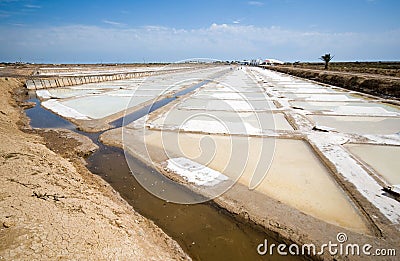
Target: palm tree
(326, 58)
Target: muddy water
(203, 231)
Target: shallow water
(296, 176)
(228, 122)
(359, 124)
(320, 97)
(317, 106)
(227, 105)
(80, 102)
(230, 95)
(383, 159)
(42, 118)
(156, 104)
(233, 89)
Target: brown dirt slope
(52, 207)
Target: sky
(98, 31)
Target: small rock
(8, 224)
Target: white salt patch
(218, 127)
(363, 110)
(324, 128)
(239, 105)
(227, 95)
(393, 139)
(194, 172)
(329, 97)
(396, 189)
(307, 90)
(63, 110)
(44, 94)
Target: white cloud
(33, 6)
(112, 23)
(80, 43)
(255, 3)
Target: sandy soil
(52, 207)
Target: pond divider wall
(37, 83)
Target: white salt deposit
(363, 110)
(219, 127)
(194, 172)
(328, 97)
(43, 94)
(63, 110)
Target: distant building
(256, 62)
(271, 61)
(245, 62)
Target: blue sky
(172, 30)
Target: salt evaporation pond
(237, 109)
(359, 124)
(320, 96)
(383, 159)
(296, 176)
(100, 100)
(250, 123)
(212, 126)
(227, 105)
(331, 106)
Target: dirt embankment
(52, 207)
(376, 84)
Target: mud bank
(371, 84)
(52, 207)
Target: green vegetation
(326, 58)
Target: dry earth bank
(52, 207)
